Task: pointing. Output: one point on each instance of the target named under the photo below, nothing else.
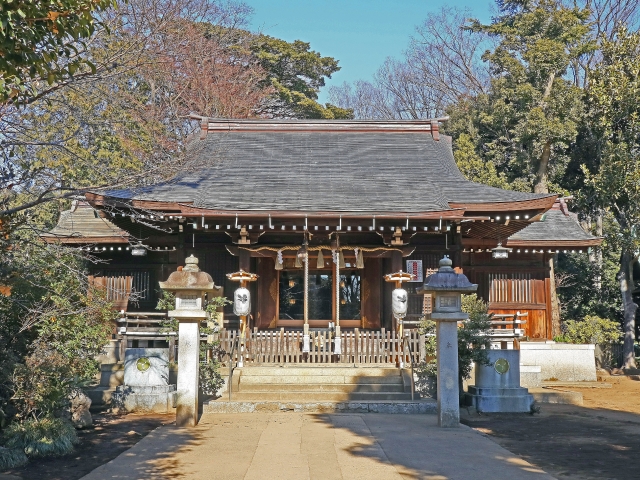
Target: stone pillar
(188, 373)
(190, 286)
(448, 287)
(448, 388)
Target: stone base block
(147, 399)
(561, 361)
(503, 400)
(530, 376)
(111, 374)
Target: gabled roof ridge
(207, 124)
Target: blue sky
(359, 33)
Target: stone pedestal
(145, 399)
(497, 387)
(448, 389)
(146, 386)
(189, 372)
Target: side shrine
(365, 198)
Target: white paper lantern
(399, 302)
(242, 302)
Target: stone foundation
(561, 361)
(150, 399)
(497, 387)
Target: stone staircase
(320, 388)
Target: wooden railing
(358, 347)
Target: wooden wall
(517, 284)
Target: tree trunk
(625, 279)
(542, 176)
(556, 329)
(598, 250)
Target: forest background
(97, 94)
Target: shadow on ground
(568, 441)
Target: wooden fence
(359, 347)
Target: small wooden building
(372, 197)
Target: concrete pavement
(299, 446)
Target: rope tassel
(320, 263)
(359, 258)
(341, 260)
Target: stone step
(100, 396)
(422, 406)
(319, 396)
(322, 370)
(320, 379)
(327, 387)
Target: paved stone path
(316, 446)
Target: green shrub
(41, 438)
(210, 378)
(426, 371)
(591, 329)
(473, 339)
(210, 353)
(12, 458)
(473, 343)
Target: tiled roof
(323, 170)
(81, 224)
(557, 227)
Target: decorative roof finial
(191, 264)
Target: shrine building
(360, 198)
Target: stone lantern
(447, 286)
(190, 286)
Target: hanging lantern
(399, 302)
(242, 302)
(320, 263)
(500, 251)
(302, 253)
(139, 250)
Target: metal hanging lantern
(242, 302)
(139, 250)
(302, 252)
(500, 251)
(399, 302)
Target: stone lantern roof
(447, 280)
(189, 278)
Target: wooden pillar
(396, 261)
(457, 254)
(180, 251)
(244, 260)
(395, 265)
(244, 263)
(555, 304)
